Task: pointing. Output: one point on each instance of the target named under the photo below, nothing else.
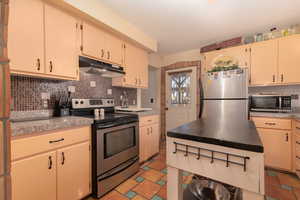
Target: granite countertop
(142, 113)
(241, 135)
(24, 128)
(294, 114)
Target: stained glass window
(180, 88)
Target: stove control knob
(76, 102)
(81, 102)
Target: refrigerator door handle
(201, 98)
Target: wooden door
(114, 49)
(73, 171)
(34, 177)
(155, 138)
(277, 148)
(26, 36)
(61, 35)
(93, 41)
(264, 62)
(289, 59)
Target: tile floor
(151, 181)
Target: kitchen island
(230, 153)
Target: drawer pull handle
(51, 66)
(297, 142)
(287, 137)
(298, 170)
(55, 141)
(38, 64)
(50, 162)
(149, 120)
(270, 123)
(63, 158)
(298, 157)
(297, 127)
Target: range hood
(92, 66)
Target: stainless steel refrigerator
(224, 96)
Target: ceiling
(180, 25)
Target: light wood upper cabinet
(99, 44)
(73, 172)
(92, 41)
(264, 62)
(240, 53)
(289, 59)
(277, 147)
(209, 58)
(61, 40)
(114, 49)
(26, 36)
(34, 177)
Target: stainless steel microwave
(270, 103)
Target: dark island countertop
(239, 135)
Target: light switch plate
(109, 91)
(93, 83)
(71, 89)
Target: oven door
(264, 103)
(116, 145)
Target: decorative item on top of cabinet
(149, 136)
(276, 135)
(136, 68)
(53, 33)
(264, 62)
(101, 45)
(50, 162)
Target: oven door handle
(106, 126)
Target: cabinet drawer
(147, 120)
(275, 123)
(297, 127)
(36, 144)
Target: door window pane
(180, 88)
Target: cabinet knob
(287, 137)
(51, 66)
(108, 55)
(102, 53)
(38, 64)
(281, 77)
(273, 78)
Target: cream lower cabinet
(276, 136)
(63, 172)
(34, 177)
(149, 134)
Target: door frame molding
(174, 66)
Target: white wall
(98, 11)
(190, 55)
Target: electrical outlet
(45, 95)
(109, 91)
(71, 89)
(93, 83)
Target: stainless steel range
(115, 144)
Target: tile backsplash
(284, 89)
(26, 91)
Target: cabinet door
(73, 172)
(34, 177)
(114, 49)
(264, 62)
(131, 65)
(155, 138)
(61, 35)
(93, 41)
(277, 148)
(145, 140)
(143, 69)
(26, 36)
(289, 59)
